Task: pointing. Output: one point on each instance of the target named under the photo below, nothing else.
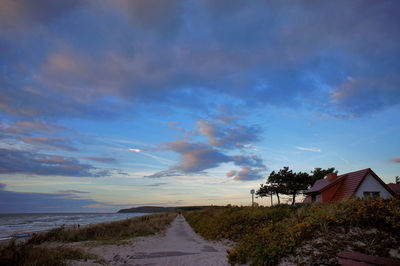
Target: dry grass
(37, 252)
(111, 231)
(28, 254)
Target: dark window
(314, 197)
(372, 194)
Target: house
(395, 187)
(362, 183)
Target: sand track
(179, 246)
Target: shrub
(264, 235)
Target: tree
(320, 173)
(297, 183)
(290, 183)
(284, 182)
(265, 191)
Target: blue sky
(112, 104)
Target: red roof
(344, 186)
(395, 188)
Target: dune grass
(33, 252)
(119, 230)
(29, 254)
(265, 235)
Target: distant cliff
(155, 209)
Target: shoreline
(15, 225)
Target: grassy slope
(266, 235)
(31, 253)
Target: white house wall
(371, 184)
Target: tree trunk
(279, 200)
(271, 199)
(294, 199)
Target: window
(314, 197)
(372, 194)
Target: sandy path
(179, 246)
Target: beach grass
(29, 254)
(109, 231)
(265, 235)
(36, 250)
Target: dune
(178, 245)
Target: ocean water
(11, 224)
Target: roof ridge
(366, 169)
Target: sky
(121, 103)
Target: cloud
(223, 132)
(395, 160)
(135, 150)
(363, 95)
(71, 191)
(252, 168)
(157, 184)
(50, 143)
(26, 162)
(27, 128)
(231, 173)
(165, 173)
(22, 14)
(196, 157)
(249, 160)
(196, 55)
(309, 149)
(225, 136)
(101, 159)
(27, 103)
(160, 16)
(248, 174)
(28, 202)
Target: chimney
(330, 177)
(397, 180)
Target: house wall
(371, 184)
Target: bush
(264, 235)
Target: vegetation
(265, 235)
(156, 209)
(288, 182)
(34, 252)
(133, 227)
(28, 254)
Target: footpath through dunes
(179, 246)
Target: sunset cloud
(222, 134)
(248, 174)
(188, 91)
(233, 135)
(395, 160)
(267, 66)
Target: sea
(16, 224)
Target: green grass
(265, 235)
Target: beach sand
(179, 245)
